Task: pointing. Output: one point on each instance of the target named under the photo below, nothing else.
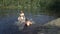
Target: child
(21, 18)
(28, 22)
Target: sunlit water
(8, 24)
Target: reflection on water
(8, 26)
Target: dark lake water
(8, 20)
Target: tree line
(35, 6)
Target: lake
(9, 17)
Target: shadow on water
(8, 26)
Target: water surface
(8, 20)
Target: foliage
(33, 6)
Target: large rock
(55, 22)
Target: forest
(50, 7)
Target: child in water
(24, 20)
(28, 23)
(21, 18)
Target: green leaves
(34, 3)
(33, 6)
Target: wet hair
(26, 19)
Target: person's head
(21, 11)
